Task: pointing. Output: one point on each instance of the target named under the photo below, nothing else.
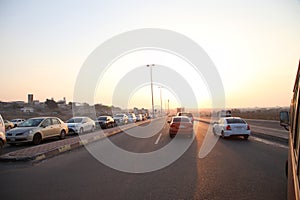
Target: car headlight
(28, 132)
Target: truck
(290, 120)
(180, 109)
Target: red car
(180, 125)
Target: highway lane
(268, 128)
(234, 169)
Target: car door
(218, 127)
(47, 128)
(85, 124)
(90, 124)
(56, 127)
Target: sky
(254, 45)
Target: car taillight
(248, 127)
(228, 127)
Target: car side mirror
(169, 122)
(284, 119)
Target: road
(234, 169)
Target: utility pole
(150, 66)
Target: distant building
(30, 98)
(36, 102)
(62, 101)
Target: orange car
(180, 125)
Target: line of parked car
(37, 129)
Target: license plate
(12, 139)
(181, 126)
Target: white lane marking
(266, 128)
(157, 140)
(269, 142)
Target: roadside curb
(270, 137)
(258, 134)
(86, 139)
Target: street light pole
(160, 100)
(168, 106)
(150, 66)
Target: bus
(290, 120)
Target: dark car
(105, 121)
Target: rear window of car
(185, 114)
(235, 121)
(179, 119)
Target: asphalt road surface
(234, 169)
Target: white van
(2, 133)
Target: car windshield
(119, 116)
(102, 118)
(181, 119)
(235, 121)
(31, 122)
(75, 120)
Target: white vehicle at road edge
(2, 133)
(231, 126)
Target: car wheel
(246, 137)
(214, 131)
(37, 139)
(172, 135)
(222, 135)
(62, 134)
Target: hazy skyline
(255, 46)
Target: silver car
(37, 129)
(121, 119)
(80, 125)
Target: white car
(121, 119)
(16, 122)
(80, 125)
(131, 118)
(139, 117)
(2, 133)
(231, 126)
